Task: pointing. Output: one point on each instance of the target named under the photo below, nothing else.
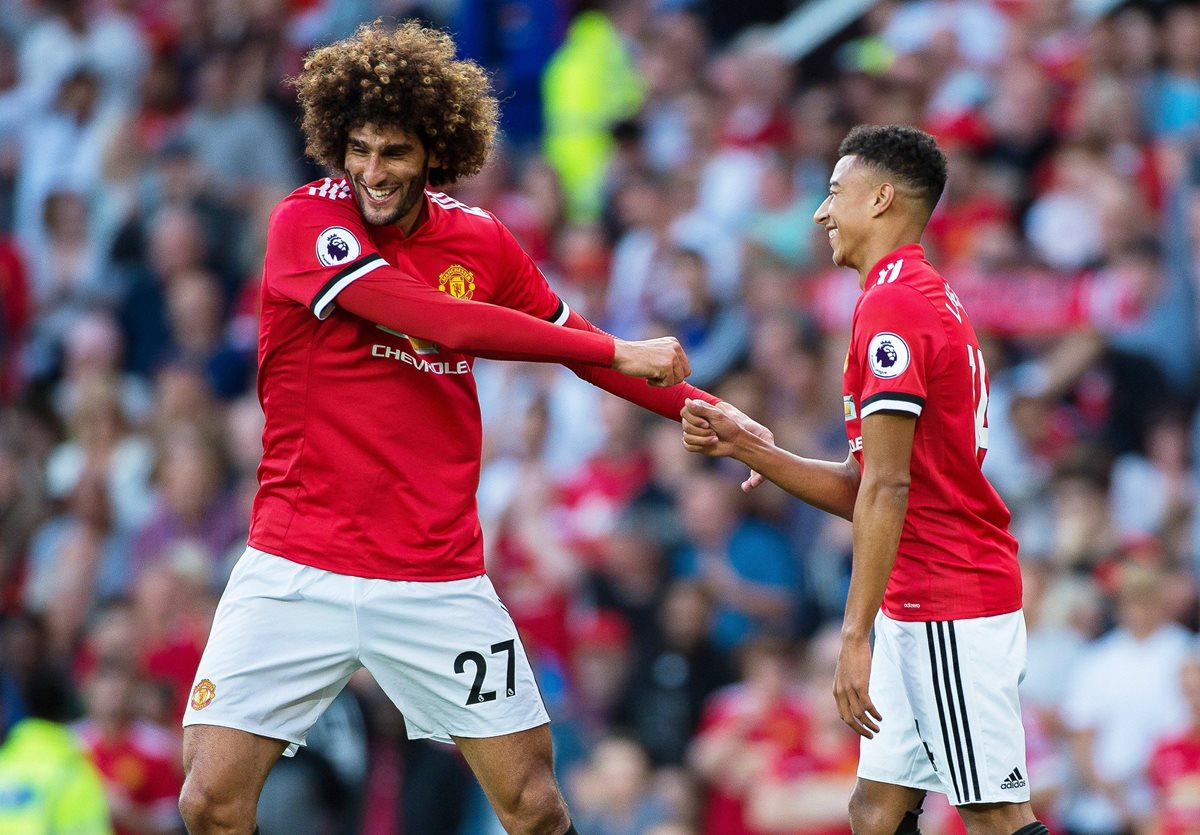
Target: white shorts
(947, 691)
(287, 637)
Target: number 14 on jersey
(979, 390)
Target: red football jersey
(372, 441)
(913, 350)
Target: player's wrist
(621, 350)
(854, 630)
(749, 448)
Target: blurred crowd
(661, 162)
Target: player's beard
(409, 193)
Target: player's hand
(662, 361)
(850, 687)
(719, 430)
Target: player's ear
(885, 193)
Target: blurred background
(661, 161)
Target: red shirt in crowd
(372, 441)
(1175, 774)
(913, 350)
(771, 735)
(142, 766)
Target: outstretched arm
(722, 430)
(387, 297)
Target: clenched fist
(661, 361)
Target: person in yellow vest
(48, 786)
(590, 83)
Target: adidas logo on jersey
(1015, 780)
(333, 189)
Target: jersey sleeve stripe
(322, 303)
(560, 314)
(892, 401)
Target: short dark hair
(49, 695)
(910, 155)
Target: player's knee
(538, 809)
(868, 818)
(205, 809)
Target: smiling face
(848, 210)
(388, 169)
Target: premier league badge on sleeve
(336, 246)
(888, 355)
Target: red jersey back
(913, 350)
(372, 441)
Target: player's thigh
(961, 678)
(225, 765)
(282, 645)
(449, 656)
(513, 767)
(896, 755)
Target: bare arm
(722, 430)
(878, 520)
(878, 514)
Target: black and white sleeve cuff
(892, 401)
(560, 315)
(322, 303)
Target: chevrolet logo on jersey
(458, 281)
(848, 405)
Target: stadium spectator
(806, 791)
(677, 669)
(745, 565)
(589, 84)
(1124, 700)
(1175, 766)
(614, 791)
(192, 503)
(242, 144)
(175, 248)
(518, 39)
(138, 760)
(47, 782)
(1175, 100)
(747, 731)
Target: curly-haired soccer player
(934, 569)
(364, 547)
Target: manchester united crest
(458, 281)
(203, 694)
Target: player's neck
(883, 242)
(413, 220)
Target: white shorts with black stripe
(947, 691)
(287, 637)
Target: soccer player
(364, 546)
(937, 706)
